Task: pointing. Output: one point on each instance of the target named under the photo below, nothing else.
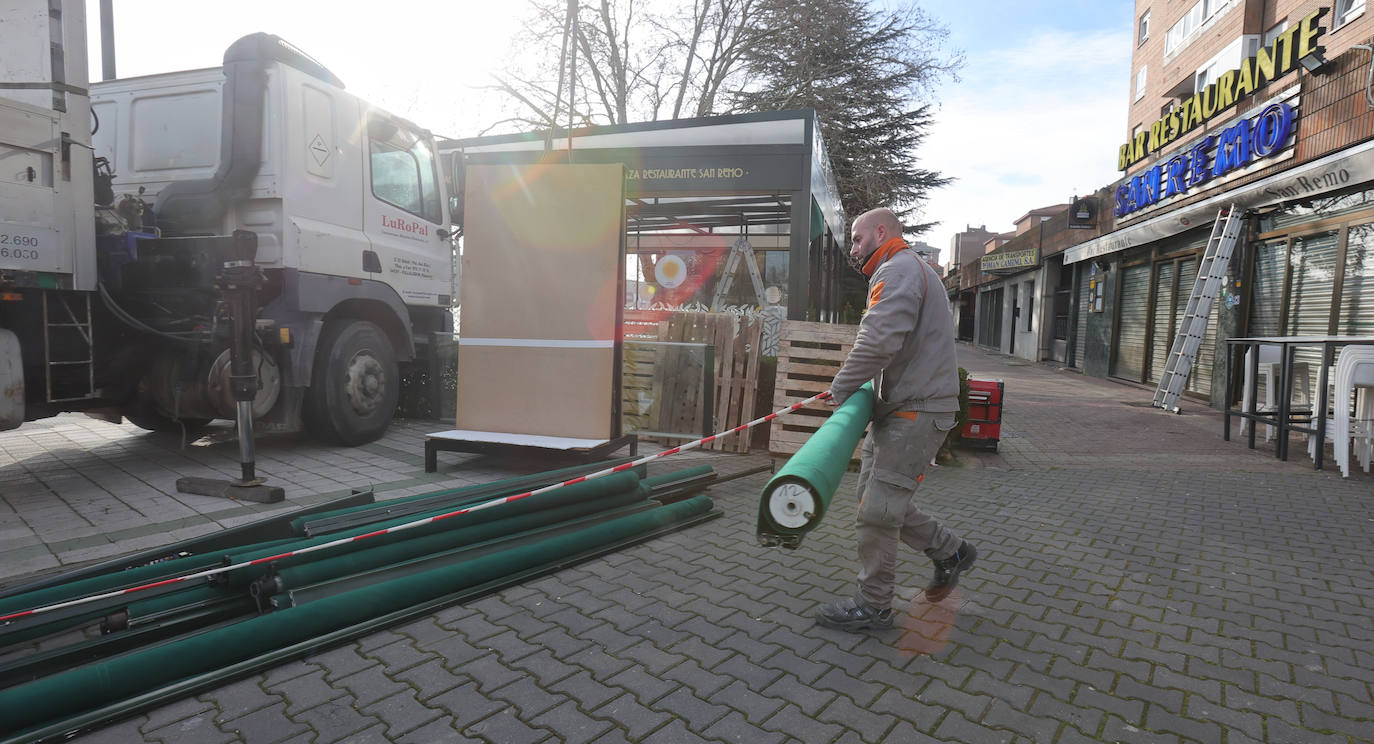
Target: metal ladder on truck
(68, 347)
(1210, 273)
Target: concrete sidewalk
(1139, 580)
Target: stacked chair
(1351, 425)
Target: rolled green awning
(795, 500)
(64, 694)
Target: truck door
(405, 213)
(328, 182)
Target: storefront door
(1128, 356)
(1314, 271)
(1162, 321)
(1085, 299)
(1063, 294)
(990, 319)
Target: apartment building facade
(1264, 104)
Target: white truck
(118, 204)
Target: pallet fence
(662, 385)
(809, 355)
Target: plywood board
(542, 252)
(539, 391)
(543, 273)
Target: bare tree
(867, 70)
(637, 60)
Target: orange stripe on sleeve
(875, 294)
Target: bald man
(905, 346)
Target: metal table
(1280, 419)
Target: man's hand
(830, 399)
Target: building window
(1347, 11)
(1144, 28)
(1228, 58)
(1274, 31)
(1197, 16)
(1140, 84)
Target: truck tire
(354, 386)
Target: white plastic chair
(1349, 426)
(1270, 359)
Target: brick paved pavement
(1140, 580)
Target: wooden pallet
(737, 383)
(662, 386)
(677, 380)
(638, 402)
(809, 355)
(641, 325)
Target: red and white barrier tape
(417, 523)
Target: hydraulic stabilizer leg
(237, 284)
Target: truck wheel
(354, 385)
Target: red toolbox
(984, 424)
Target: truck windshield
(403, 168)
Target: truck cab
(344, 201)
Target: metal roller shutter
(1357, 292)
(1132, 313)
(1267, 302)
(1313, 263)
(1164, 321)
(1200, 379)
(1080, 342)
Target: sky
(1035, 117)
(1037, 114)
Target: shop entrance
(1063, 295)
(990, 319)
(1153, 298)
(1128, 358)
(1015, 317)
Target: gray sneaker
(851, 615)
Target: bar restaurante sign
(1285, 53)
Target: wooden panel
(809, 355)
(543, 272)
(542, 252)
(542, 391)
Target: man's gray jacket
(906, 339)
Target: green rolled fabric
(795, 499)
(461, 496)
(366, 558)
(616, 483)
(70, 692)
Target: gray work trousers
(896, 454)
